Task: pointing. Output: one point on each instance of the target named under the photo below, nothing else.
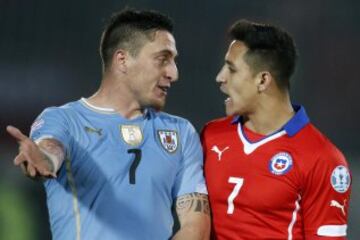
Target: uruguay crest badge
(169, 140)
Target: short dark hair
(128, 29)
(269, 48)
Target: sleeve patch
(340, 179)
(37, 124)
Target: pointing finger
(16, 133)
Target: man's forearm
(198, 231)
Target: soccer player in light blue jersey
(115, 164)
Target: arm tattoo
(193, 202)
(49, 162)
(52, 149)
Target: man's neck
(270, 115)
(116, 95)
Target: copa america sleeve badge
(169, 140)
(340, 179)
(131, 134)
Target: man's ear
(120, 60)
(264, 80)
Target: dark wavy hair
(130, 29)
(269, 49)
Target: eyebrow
(168, 52)
(229, 63)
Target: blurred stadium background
(48, 56)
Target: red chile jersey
(292, 184)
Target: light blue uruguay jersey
(120, 177)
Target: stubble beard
(155, 104)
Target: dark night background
(49, 56)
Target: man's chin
(229, 111)
(157, 105)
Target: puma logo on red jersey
(334, 203)
(218, 151)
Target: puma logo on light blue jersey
(93, 130)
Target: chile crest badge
(280, 163)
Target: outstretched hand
(30, 158)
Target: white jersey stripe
(76, 208)
(293, 219)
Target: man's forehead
(163, 41)
(164, 35)
(236, 49)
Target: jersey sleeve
(326, 194)
(190, 177)
(51, 124)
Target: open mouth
(227, 97)
(164, 89)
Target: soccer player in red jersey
(270, 173)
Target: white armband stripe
(332, 230)
(37, 141)
(55, 160)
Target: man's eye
(231, 70)
(163, 60)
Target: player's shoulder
(56, 114)
(61, 110)
(171, 119)
(319, 143)
(218, 123)
(316, 138)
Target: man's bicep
(190, 177)
(326, 197)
